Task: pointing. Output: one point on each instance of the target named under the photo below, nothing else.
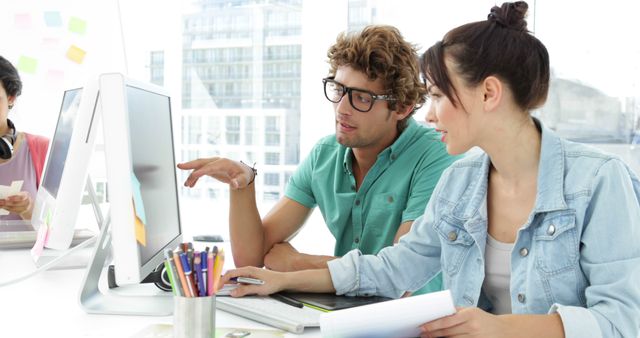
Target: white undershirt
(497, 269)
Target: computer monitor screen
(61, 140)
(59, 197)
(141, 175)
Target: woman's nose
(431, 115)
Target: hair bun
(510, 15)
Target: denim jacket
(578, 254)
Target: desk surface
(47, 305)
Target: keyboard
(27, 238)
(272, 312)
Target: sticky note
(50, 43)
(137, 198)
(76, 54)
(77, 25)
(52, 19)
(41, 241)
(141, 232)
(27, 64)
(22, 20)
(55, 78)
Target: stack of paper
(9, 190)
(395, 318)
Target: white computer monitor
(141, 175)
(59, 197)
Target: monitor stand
(93, 300)
(74, 258)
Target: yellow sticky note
(77, 25)
(27, 64)
(141, 232)
(76, 54)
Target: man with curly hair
(371, 179)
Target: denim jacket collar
(550, 184)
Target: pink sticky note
(55, 78)
(50, 43)
(41, 241)
(22, 20)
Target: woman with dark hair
(22, 155)
(536, 236)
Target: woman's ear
(492, 89)
(10, 101)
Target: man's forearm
(245, 228)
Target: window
(272, 131)
(249, 130)
(233, 129)
(271, 158)
(272, 179)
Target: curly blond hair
(382, 53)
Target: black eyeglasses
(360, 100)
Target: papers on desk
(9, 190)
(394, 318)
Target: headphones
(8, 140)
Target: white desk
(46, 305)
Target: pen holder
(194, 317)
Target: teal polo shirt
(395, 190)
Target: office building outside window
(241, 64)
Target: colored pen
(180, 270)
(287, 300)
(197, 265)
(187, 274)
(217, 269)
(210, 263)
(248, 280)
(203, 267)
(173, 274)
(167, 268)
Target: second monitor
(141, 175)
(144, 216)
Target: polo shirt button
(524, 252)
(551, 230)
(357, 202)
(390, 199)
(452, 235)
(521, 297)
(357, 240)
(393, 157)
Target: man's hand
(236, 174)
(273, 281)
(20, 203)
(282, 257)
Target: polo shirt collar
(391, 152)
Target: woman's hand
(236, 174)
(273, 281)
(467, 322)
(20, 203)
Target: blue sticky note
(53, 19)
(137, 198)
